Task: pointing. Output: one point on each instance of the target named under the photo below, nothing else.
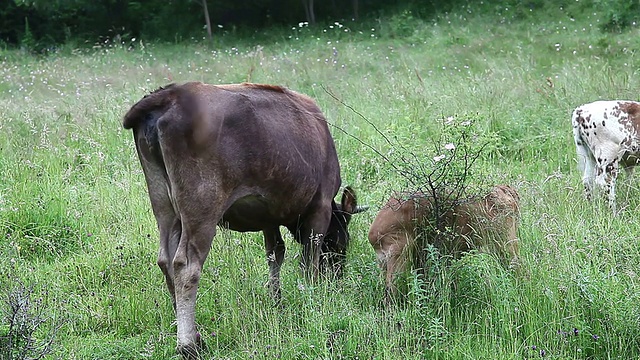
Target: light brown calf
(488, 224)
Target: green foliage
(27, 41)
(443, 165)
(480, 281)
(618, 15)
(401, 26)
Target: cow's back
(261, 144)
(263, 127)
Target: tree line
(41, 23)
(57, 21)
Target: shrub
(23, 334)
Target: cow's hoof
(191, 351)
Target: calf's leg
(512, 243)
(392, 253)
(394, 265)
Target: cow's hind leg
(170, 231)
(169, 225)
(275, 249)
(192, 251)
(200, 213)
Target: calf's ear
(349, 201)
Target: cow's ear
(349, 201)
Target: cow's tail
(582, 149)
(144, 115)
(157, 101)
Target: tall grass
(75, 217)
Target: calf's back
(405, 224)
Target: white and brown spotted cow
(606, 137)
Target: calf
(606, 137)
(248, 157)
(488, 224)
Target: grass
(75, 219)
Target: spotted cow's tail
(582, 148)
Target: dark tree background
(41, 23)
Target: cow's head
(336, 241)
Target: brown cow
(488, 224)
(248, 157)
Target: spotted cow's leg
(612, 172)
(606, 175)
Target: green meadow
(76, 222)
